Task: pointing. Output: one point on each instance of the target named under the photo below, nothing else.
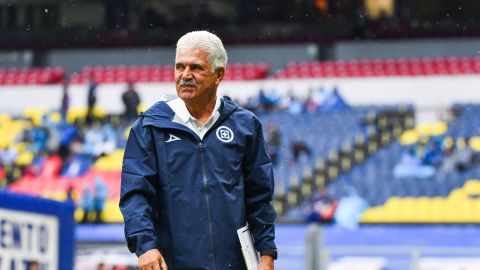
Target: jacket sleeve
(138, 201)
(259, 185)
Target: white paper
(249, 252)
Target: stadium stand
(54, 174)
(361, 152)
(436, 197)
(382, 67)
(22, 76)
(155, 73)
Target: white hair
(207, 42)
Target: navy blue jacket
(187, 196)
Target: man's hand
(152, 260)
(266, 263)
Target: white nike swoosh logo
(173, 138)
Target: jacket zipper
(207, 199)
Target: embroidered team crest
(173, 138)
(224, 134)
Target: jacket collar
(161, 115)
(180, 109)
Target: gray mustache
(187, 83)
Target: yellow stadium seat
(126, 133)
(371, 215)
(4, 119)
(432, 129)
(36, 114)
(438, 207)
(410, 136)
(55, 117)
(457, 195)
(55, 195)
(25, 158)
(472, 187)
(111, 162)
(475, 143)
(111, 212)
(142, 108)
(76, 113)
(99, 112)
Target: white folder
(249, 252)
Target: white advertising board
(26, 237)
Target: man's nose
(187, 73)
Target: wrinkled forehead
(191, 55)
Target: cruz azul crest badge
(224, 134)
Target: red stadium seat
(51, 168)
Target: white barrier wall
(426, 93)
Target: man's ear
(220, 72)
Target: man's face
(194, 77)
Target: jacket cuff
(141, 243)
(269, 252)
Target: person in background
(299, 147)
(91, 99)
(99, 199)
(321, 208)
(69, 195)
(196, 170)
(274, 142)
(65, 105)
(101, 266)
(33, 265)
(131, 100)
(86, 203)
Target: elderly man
(195, 170)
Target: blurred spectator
(459, 157)
(65, 105)
(298, 148)
(3, 180)
(350, 209)
(411, 166)
(270, 101)
(321, 208)
(69, 198)
(67, 134)
(120, 267)
(33, 265)
(91, 99)
(8, 156)
(311, 104)
(333, 101)
(131, 100)
(53, 139)
(295, 107)
(252, 104)
(100, 197)
(101, 266)
(433, 153)
(463, 155)
(100, 140)
(76, 165)
(274, 141)
(86, 203)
